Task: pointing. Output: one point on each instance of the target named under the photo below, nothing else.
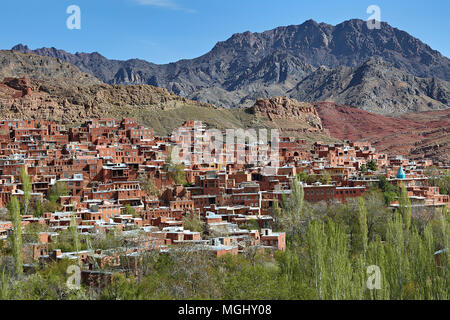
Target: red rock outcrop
(287, 110)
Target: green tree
(16, 238)
(372, 165)
(328, 261)
(362, 222)
(74, 231)
(292, 217)
(303, 176)
(49, 206)
(4, 286)
(404, 207)
(176, 173)
(129, 210)
(26, 188)
(276, 215)
(57, 190)
(38, 210)
(388, 189)
(193, 222)
(438, 178)
(363, 168)
(377, 213)
(148, 185)
(325, 177)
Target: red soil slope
(417, 135)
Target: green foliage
(404, 207)
(302, 176)
(276, 215)
(50, 206)
(176, 173)
(251, 224)
(74, 233)
(38, 209)
(439, 179)
(363, 168)
(31, 232)
(148, 185)
(4, 286)
(372, 165)
(16, 238)
(389, 190)
(291, 219)
(26, 188)
(329, 263)
(68, 240)
(47, 284)
(193, 222)
(57, 190)
(362, 224)
(129, 210)
(243, 281)
(325, 177)
(328, 252)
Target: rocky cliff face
(23, 98)
(16, 64)
(249, 65)
(285, 111)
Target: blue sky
(163, 31)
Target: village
(117, 175)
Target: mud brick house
(101, 160)
(273, 239)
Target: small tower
(401, 173)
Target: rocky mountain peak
(277, 62)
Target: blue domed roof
(401, 173)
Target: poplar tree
(396, 254)
(14, 212)
(276, 214)
(292, 217)
(4, 286)
(339, 282)
(38, 210)
(26, 188)
(316, 252)
(362, 222)
(74, 232)
(404, 207)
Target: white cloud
(168, 4)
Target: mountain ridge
(274, 60)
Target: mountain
(374, 86)
(16, 64)
(249, 65)
(59, 91)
